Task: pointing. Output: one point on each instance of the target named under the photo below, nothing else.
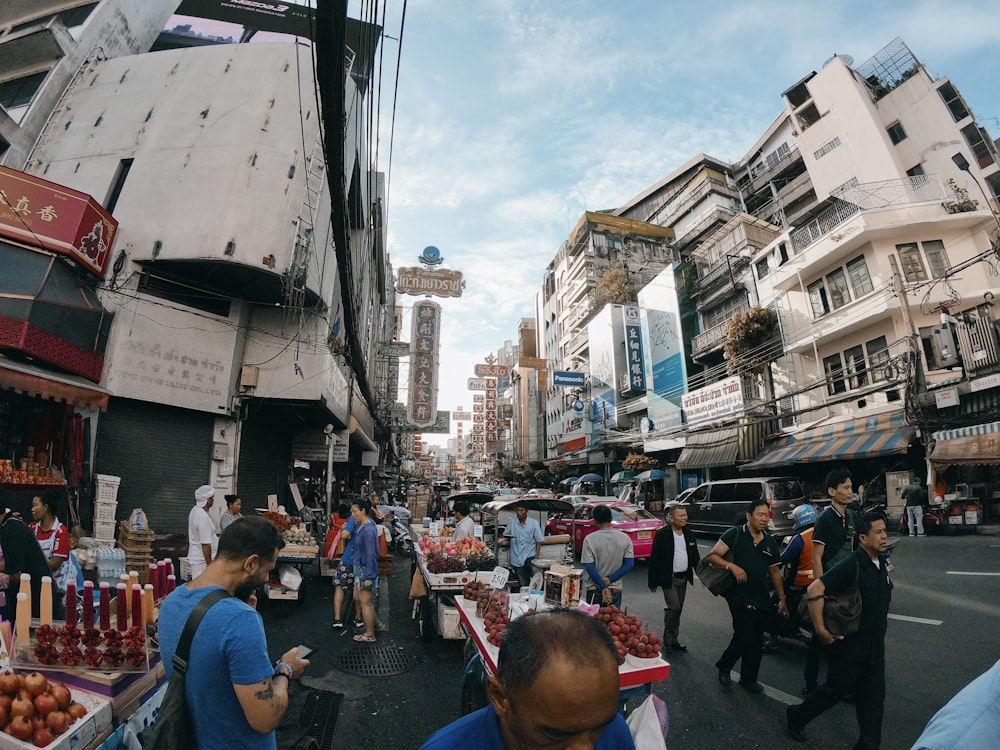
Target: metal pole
(329, 474)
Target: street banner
(424, 345)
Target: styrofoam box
(81, 733)
(972, 516)
(955, 520)
(449, 622)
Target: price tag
(500, 576)
(477, 531)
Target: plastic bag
(290, 577)
(648, 724)
(137, 520)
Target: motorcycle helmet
(802, 516)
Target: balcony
(714, 337)
(724, 273)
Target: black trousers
(846, 675)
(747, 644)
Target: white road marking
(920, 620)
(771, 692)
(968, 573)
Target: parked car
(577, 499)
(536, 492)
(639, 524)
(714, 506)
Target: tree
(639, 462)
(542, 477)
(614, 288)
(746, 333)
(559, 467)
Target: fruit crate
(138, 541)
(105, 510)
(107, 488)
(104, 531)
(140, 564)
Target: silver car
(716, 506)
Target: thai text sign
(492, 371)
(477, 384)
(424, 343)
(717, 401)
(437, 281)
(462, 416)
(56, 218)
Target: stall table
(630, 676)
(435, 612)
(298, 557)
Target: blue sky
(515, 116)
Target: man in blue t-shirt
(556, 684)
(235, 696)
(524, 536)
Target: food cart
(498, 512)
(636, 676)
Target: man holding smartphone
(366, 568)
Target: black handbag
(172, 728)
(715, 580)
(841, 613)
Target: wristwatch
(283, 669)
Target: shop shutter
(265, 459)
(161, 453)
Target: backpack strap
(183, 653)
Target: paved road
(942, 633)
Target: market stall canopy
(472, 498)
(710, 448)
(867, 437)
(544, 504)
(622, 476)
(591, 477)
(569, 480)
(974, 444)
(648, 476)
(33, 380)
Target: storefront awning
(975, 444)
(712, 448)
(32, 380)
(870, 437)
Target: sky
(513, 117)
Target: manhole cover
(374, 661)
(319, 716)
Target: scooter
(402, 542)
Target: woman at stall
(232, 511)
(53, 538)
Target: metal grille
(374, 661)
(319, 716)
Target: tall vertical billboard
(425, 343)
(664, 351)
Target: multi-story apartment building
(232, 285)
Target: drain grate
(374, 661)
(319, 716)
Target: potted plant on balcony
(962, 203)
(746, 333)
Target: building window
(19, 91)
(896, 132)
(818, 299)
(878, 356)
(857, 371)
(836, 283)
(953, 100)
(980, 143)
(833, 366)
(808, 116)
(763, 268)
(911, 262)
(861, 280)
(937, 258)
(782, 253)
(916, 171)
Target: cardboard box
(81, 733)
(562, 586)
(972, 516)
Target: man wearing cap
(201, 531)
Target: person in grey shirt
(232, 511)
(607, 556)
(464, 525)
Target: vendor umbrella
(652, 474)
(622, 476)
(591, 477)
(569, 480)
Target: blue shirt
(229, 648)
(348, 557)
(523, 539)
(367, 551)
(968, 721)
(481, 730)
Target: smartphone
(305, 650)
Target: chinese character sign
(633, 349)
(424, 344)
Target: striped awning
(710, 448)
(870, 437)
(975, 444)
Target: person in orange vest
(798, 557)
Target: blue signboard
(571, 379)
(633, 349)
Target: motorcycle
(401, 542)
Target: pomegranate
(36, 683)
(9, 684)
(5, 701)
(21, 727)
(62, 695)
(77, 710)
(45, 704)
(4, 715)
(42, 737)
(22, 706)
(58, 722)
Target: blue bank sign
(572, 379)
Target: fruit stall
(300, 552)
(443, 568)
(485, 613)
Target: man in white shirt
(671, 567)
(202, 539)
(464, 525)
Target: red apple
(45, 704)
(20, 727)
(62, 695)
(36, 683)
(77, 710)
(58, 722)
(42, 737)
(22, 706)
(9, 684)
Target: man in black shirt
(857, 661)
(21, 554)
(755, 558)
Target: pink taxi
(639, 524)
